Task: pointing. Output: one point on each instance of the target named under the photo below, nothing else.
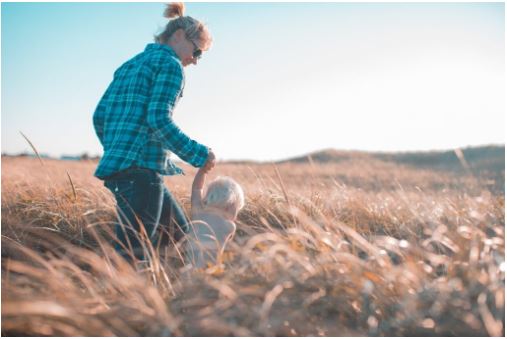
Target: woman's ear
(179, 35)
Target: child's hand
(204, 169)
(209, 166)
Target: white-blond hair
(226, 194)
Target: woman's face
(188, 51)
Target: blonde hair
(193, 28)
(224, 193)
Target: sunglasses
(197, 51)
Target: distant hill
(489, 158)
(484, 158)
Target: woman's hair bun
(174, 9)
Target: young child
(213, 217)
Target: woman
(133, 121)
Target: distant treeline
(83, 156)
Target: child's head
(225, 194)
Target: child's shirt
(209, 233)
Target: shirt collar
(156, 46)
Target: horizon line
(87, 155)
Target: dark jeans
(144, 201)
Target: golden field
(355, 248)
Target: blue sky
(280, 80)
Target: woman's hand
(210, 162)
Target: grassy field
(359, 247)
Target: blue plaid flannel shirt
(133, 120)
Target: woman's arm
(166, 88)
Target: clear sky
(280, 80)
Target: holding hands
(210, 162)
(200, 177)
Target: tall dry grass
(357, 248)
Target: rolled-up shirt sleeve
(166, 88)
